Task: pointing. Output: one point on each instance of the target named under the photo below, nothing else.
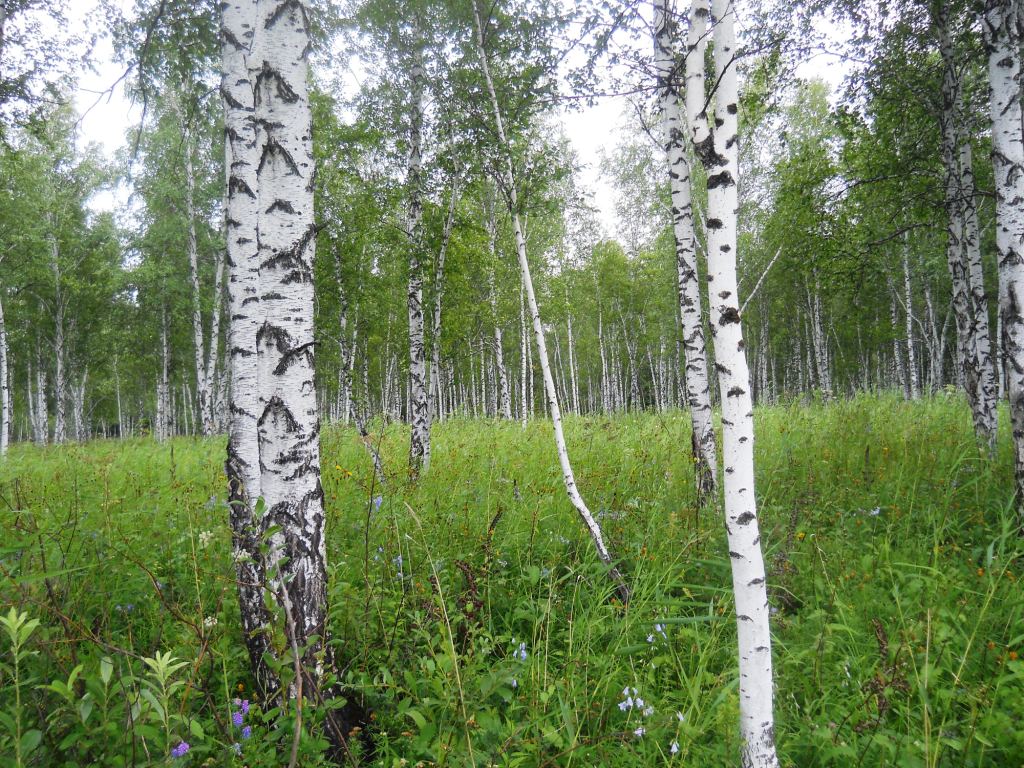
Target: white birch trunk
(512, 199)
(982, 410)
(60, 428)
(1002, 41)
(5, 387)
(242, 465)
(908, 295)
(419, 410)
(719, 153)
(288, 423)
(198, 335)
(698, 389)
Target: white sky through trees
(107, 115)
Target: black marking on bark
(732, 109)
(735, 392)
(714, 224)
(721, 368)
(719, 122)
(268, 75)
(279, 337)
(724, 294)
(294, 355)
(729, 315)
(273, 147)
(743, 617)
(735, 555)
(721, 179)
(277, 409)
(746, 518)
(755, 582)
(238, 186)
(725, 248)
(281, 205)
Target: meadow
(473, 622)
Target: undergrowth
(472, 620)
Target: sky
(107, 116)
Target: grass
(475, 623)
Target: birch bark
(242, 464)
(718, 151)
(698, 390)
(980, 395)
(419, 411)
(288, 422)
(1002, 42)
(512, 200)
(5, 388)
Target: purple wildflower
(181, 749)
(377, 501)
(247, 732)
(237, 718)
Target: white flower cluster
(632, 700)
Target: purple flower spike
(247, 732)
(244, 706)
(377, 501)
(181, 749)
(237, 718)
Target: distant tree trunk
(573, 374)
(698, 389)
(242, 464)
(288, 423)
(5, 387)
(419, 411)
(987, 385)
(981, 399)
(213, 353)
(60, 424)
(437, 410)
(198, 334)
(78, 407)
(718, 150)
(524, 357)
(504, 397)
(1002, 41)
(512, 200)
(908, 295)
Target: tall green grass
(472, 619)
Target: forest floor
(478, 627)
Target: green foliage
(472, 620)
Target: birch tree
(241, 215)
(508, 188)
(1001, 28)
(698, 392)
(718, 150)
(288, 422)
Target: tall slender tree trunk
(60, 424)
(980, 396)
(5, 386)
(718, 151)
(242, 465)
(988, 388)
(436, 395)
(908, 296)
(288, 422)
(698, 390)
(1002, 41)
(512, 199)
(419, 411)
(504, 396)
(198, 334)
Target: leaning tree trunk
(1002, 42)
(419, 409)
(241, 212)
(289, 423)
(718, 151)
(512, 200)
(698, 390)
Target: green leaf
(29, 741)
